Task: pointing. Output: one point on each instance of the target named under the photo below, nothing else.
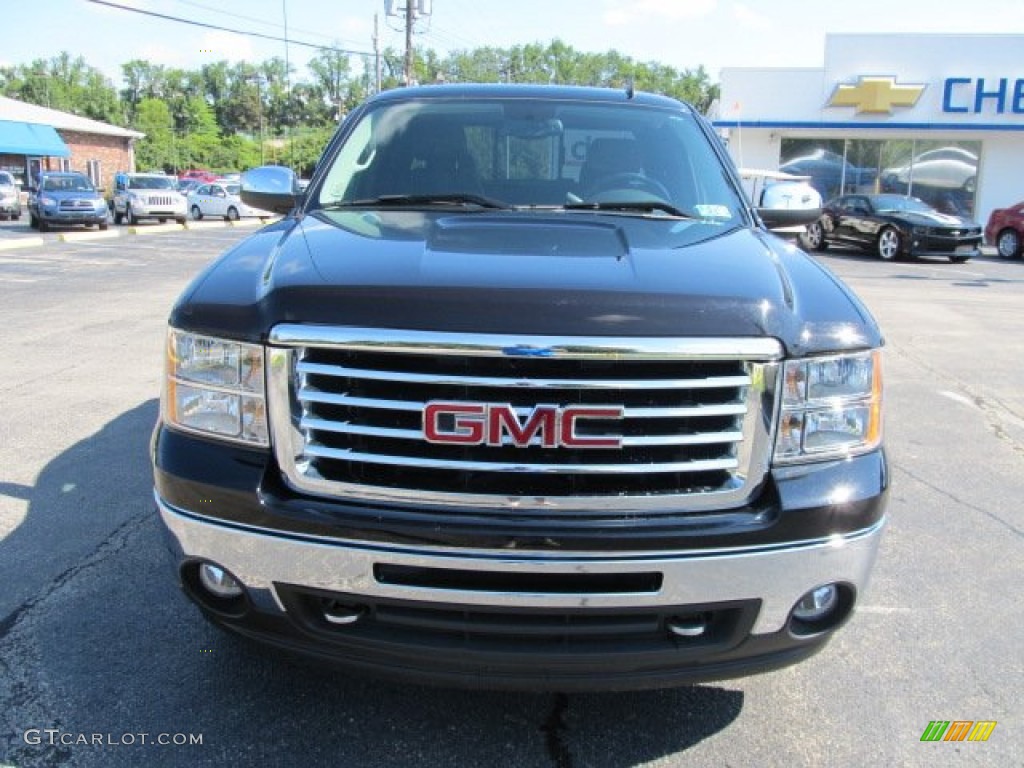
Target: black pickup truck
(521, 392)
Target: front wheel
(197, 214)
(232, 214)
(118, 216)
(888, 244)
(813, 239)
(132, 218)
(103, 225)
(1008, 244)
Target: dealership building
(940, 117)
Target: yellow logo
(876, 94)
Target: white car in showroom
(779, 192)
(140, 196)
(220, 199)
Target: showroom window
(942, 173)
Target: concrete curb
(114, 232)
(21, 242)
(102, 234)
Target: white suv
(148, 196)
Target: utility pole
(288, 89)
(410, 17)
(376, 53)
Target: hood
(529, 274)
(931, 219)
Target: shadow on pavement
(104, 646)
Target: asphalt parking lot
(95, 638)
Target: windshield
(625, 158)
(67, 184)
(901, 203)
(151, 182)
(233, 189)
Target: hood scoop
(512, 235)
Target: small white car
(10, 197)
(147, 196)
(220, 199)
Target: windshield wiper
(397, 201)
(638, 206)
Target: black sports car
(893, 226)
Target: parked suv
(66, 198)
(148, 196)
(10, 197)
(522, 393)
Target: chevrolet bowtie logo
(876, 94)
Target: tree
(214, 112)
(64, 83)
(157, 150)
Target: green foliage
(63, 83)
(157, 150)
(217, 116)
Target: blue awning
(31, 139)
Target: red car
(198, 175)
(1005, 230)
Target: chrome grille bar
(306, 395)
(629, 441)
(511, 383)
(344, 454)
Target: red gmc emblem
(498, 424)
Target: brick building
(34, 138)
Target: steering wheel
(629, 180)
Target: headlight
(831, 407)
(47, 201)
(215, 387)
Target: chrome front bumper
(776, 575)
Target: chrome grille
(76, 205)
(166, 200)
(347, 409)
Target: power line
(254, 19)
(219, 28)
(448, 37)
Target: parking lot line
(156, 228)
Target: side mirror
(783, 218)
(271, 188)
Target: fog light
(817, 604)
(218, 582)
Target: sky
(684, 34)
